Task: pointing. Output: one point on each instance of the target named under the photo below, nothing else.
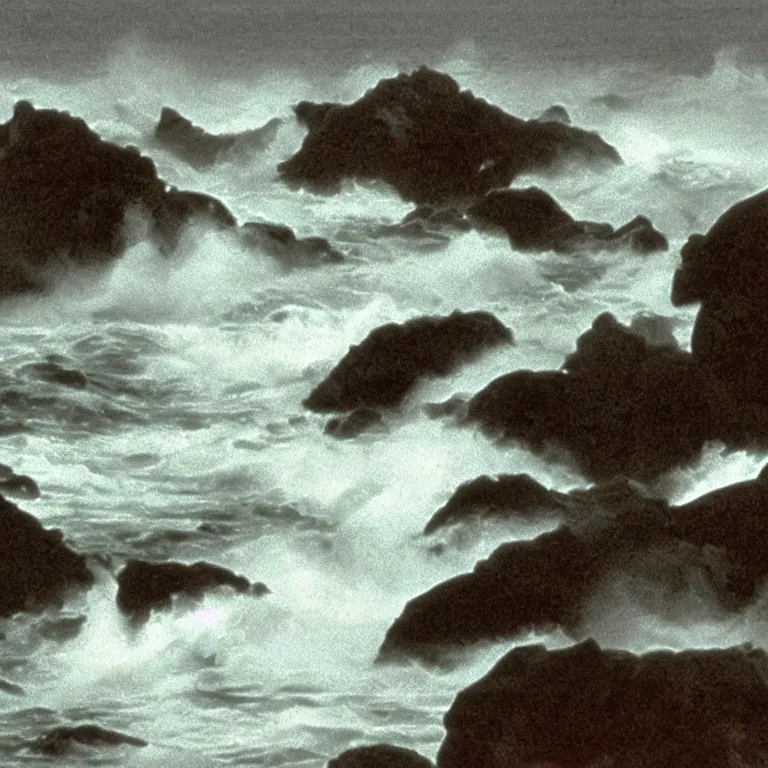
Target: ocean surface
(190, 441)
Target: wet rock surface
(201, 149)
(430, 141)
(144, 587)
(36, 568)
(584, 706)
(390, 361)
(621, 406)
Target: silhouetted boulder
(391, 360)
(64, 195)
(143, 587)
(557, 113)
(533, 220)
(201, 149)
(505, 497)
(380, 756)
(583, 706)
(547, 582)
(36, 568)
(430, 141)
(620, 407)
(726, 270)
(60, 740)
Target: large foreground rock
(36, 568)
(384, 368)
(713, 547)
(621, 406)
(143, 587)
(727, 271)
(430, 141)
(201, 149)
(583, 707)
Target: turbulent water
(190, 441)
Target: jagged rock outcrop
(390, 361)
(201, 149)
(62, 739)
(143, 587)
(621, 406)
(431, 141)
(584, 706)
(533, 220)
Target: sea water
(190, 441)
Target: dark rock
(63, 196)
(143, 586)
(281, 243)
(583, 706)
(504, 497)
(36, 568)
(60, 740)
(355, 424)
(726, 271)
(555, 114)
(61, 629)
(379, 756)
(532, 220)
(381, 370)
(549, 581)
(655, 329)
(200, 149)
(430, 141)
(621, 407)
(20, 486)
(455, 406)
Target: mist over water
(191, 442)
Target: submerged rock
(727, 271)
(385, 367)
(622, 406)
(584, 706)
(60, 740)
(533, 220)
(358, 422)
(379, 756)
(36, 568)
(143, 587)
(201, 149)
(430, 141)
(281, 242)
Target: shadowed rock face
(582, 707)
(60, 740)
(727, 271)
(621, 407)
(201, 149)
(430, 141)
(36, 568)
(143, 587)
(532, 220)
(383, 369)
(64, 194)
(379, 756)
(718, 541)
